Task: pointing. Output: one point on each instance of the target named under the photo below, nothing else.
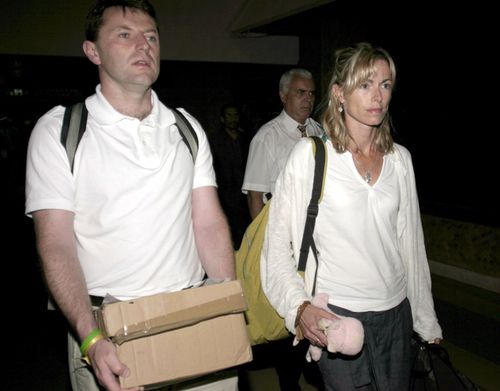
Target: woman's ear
(91, 52)
(337, 93)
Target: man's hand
(107, 367)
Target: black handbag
(432, 369)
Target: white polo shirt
(131, 195)
(269, 151)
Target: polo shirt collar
(105, 114)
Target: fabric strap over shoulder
(75, 124)
(73, 127)
(187, 132)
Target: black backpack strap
(313, 208)
(73, 127)
(75, 123)
(187, 132)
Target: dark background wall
(443, 106)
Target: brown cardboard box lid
(126, 320)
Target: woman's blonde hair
(353, 66)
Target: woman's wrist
(300, 311)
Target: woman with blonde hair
(369, 247)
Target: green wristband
(94, 336)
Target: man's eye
(152, 38)
(123, 35)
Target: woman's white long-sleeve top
(286, 289)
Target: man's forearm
(63, 274)
(216, 251)
(212, 234)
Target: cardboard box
(171, 337)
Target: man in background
(229, 144)
(273, 142)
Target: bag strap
(73, 127)
(75, 124)
(313, 208)
(187, 132)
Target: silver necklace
(367, 177)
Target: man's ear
(283, 97)
(91, 52)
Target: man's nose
(142, 42)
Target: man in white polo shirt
(137, 216)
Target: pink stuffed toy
(345, 335)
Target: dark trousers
(289, 362)
(385, 360)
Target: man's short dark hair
(94, 17)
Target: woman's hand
(308, 324)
